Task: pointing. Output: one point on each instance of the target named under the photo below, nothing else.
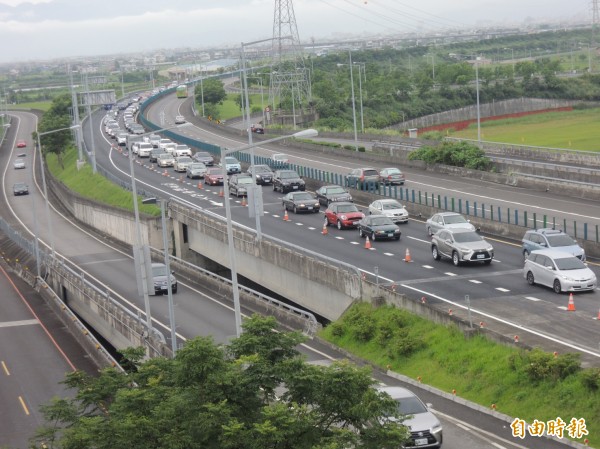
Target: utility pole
(593, 44)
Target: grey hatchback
(461, 245)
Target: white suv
(559, 270)
(182, 150)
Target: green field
(577, 130)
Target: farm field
(575, 130)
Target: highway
(498, 293)
(199, 312)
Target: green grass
(478, 369)
(577, 129)
(94, 186)
(41, 105)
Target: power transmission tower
(593, 44)
(290, 89)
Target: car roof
(447, 214)
(388, 200)
(457, 230)
(342, 203)
(397, 392)
(548, 231)
(553, 253)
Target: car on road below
(391, 176)
(182, 150)
(214, 176)
(301, 202)
(144, 149)
(205, 157)
(195, 170)
(287, 181)
(558, 270)
(262, 174)
(163, 142)
(447, 220)
(154, 139)
(239, 184)
(461, 245)
(160, 278)
(21, 143)
(425, 428)
(390, 208)
(546, 238)
(165, 160)
(258, 129)
(343, 215)
(378, 227)
(179, 119)
(181, 163)
(19, 164)
(331, 194)
(279, 160)
(20, 188)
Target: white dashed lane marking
(429, 267)
(532, 298)
(504, 290)
(450, 274)
(474, 281)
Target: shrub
(403, 344)
(539, 365)
(458, 154)
(591, 378)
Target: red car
(214, 177)
(21, 144)
(343, 214)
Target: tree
(213, 89)
(58, 116)
(256, 393)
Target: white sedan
(181, 163)
(390, 208)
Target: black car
(300, 202)
(331, 194)
(287, 181)
(262, 173)
(258, 129)
(378, 227)
(239, 184)
(20, 188)
(205, 157)
(154, 154)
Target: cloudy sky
(46, 29)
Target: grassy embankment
(577, 130)
(527, 385)
(94, 186)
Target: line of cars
(20, 187)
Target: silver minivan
(561, 271)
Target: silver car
(390, 208)
(461, 245)
(195, 170)
(447, 220)
(561, 271)
(425, 428)
(160, 279)
(18, 164)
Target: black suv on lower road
(287, 181)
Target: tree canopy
(258, 392)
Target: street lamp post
(230, 243)
(39, 145)
(138, 248)
(478, 111)
(360, 95)
(168, 269)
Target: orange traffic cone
(244, 201)
(324, 231)
(407, 256)
(571, 306)
(367, 243)
(285, 216)
(221, 193)
(199, 185)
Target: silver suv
(546, 238)
(461, 245)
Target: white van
(144, 149)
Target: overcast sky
(47, 29)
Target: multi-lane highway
(199, 312)
(499, 293)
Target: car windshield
(215, 171)
(347, 208)
(371, 173)
(245, 181)
(196, 166)
(391, 205)
(160, 270)
(303, 197)
(201, 154)
(288, 175)
(569, 263)
(454, 219)
(381, 221)
(410, 406)
(184, 159)
(334, 190)
(230, 160)
(393, 171)
(561, 240)
(465, 237)
(165, 156)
